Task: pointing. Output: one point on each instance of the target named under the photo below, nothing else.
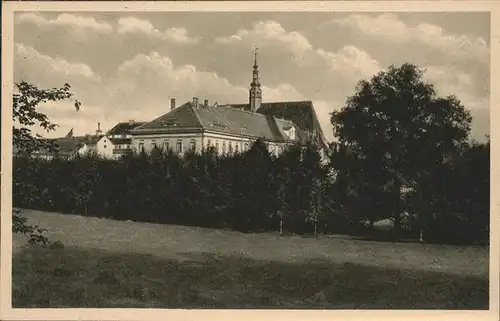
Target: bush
(237, 192)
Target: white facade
(103, 147)
(180, 143)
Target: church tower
(255, 92)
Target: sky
(126, 66)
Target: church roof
(223, 119)
(301, 113)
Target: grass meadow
(109, 264)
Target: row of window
(226, 148)
(166, 146)
(229, 147)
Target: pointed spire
(255, 78)
(255, 92)
(255, 54)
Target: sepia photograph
(316, 160)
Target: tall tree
(395, 123)
(27, 98)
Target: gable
(104, 141)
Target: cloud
(65, 20)
(267, 32)
(162, 80)
(329, 74)
(350, 60)
(140, 66)
(452, 81)
(48, 72)
(389, 27)
(131, 25)
(37, 64)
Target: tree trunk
(396, 210)
(316, 228)
(281, 226)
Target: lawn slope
(109, 263)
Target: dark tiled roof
(181, 117)
(240, 122)
(301, 113)
(124, 128)
(270, 122)
(225, 119)
(65, 146)
(120, 141)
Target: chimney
(195, 101)
(131, 122)
(172, 104)
(205, 103)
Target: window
(246, 146)
(141, 147)
(192, 145)
(104, 146)
(179, 146)
(166, 145)
(209, 143)
(217, 146)
(236, 148)
(224, 147)
(153, 144)
(230, 148)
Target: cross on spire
(255, 54)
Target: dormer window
(290, 132)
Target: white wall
(148, 141)
(212, 139)
(290, 133)
(105, 147)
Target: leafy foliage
(25, 115)
(400, 135)
(401, 148)
(233, 191)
